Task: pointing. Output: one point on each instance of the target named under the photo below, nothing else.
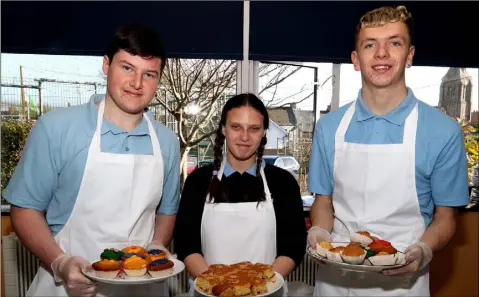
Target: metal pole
(40, 101)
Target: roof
(287, 116)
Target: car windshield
(269, 160)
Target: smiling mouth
(382, 68)
(133, 94)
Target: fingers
(409, 269)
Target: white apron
(115, 207)
(375, 191)
(236, 232)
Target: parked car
(288, 163)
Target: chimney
(292, 105)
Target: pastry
(160, 267)
(135, 249)
(135, 266)
(107, 268)
(111, 254)
(322, 247)
(383, 259)
(353, 253)
(240, 282)
(206, 282)
(379, 245)
(334, 254)
(362, 237)
(156, 254)
(224, 290)
(258, 286)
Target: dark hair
(138, 40)
(216, 189)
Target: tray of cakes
(133, 265)
(239, 279)
(363, 253)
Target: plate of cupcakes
(363, 253)
(133, 265)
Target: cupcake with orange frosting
(107, 268)
(134, 250)
(353, 253)
(135, 266)
(334, 254)
(362, 237)
(322, 247)
(156, 254)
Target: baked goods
(160, 267)
(111, 254)
(107, 268)
(134, 261)
(353, 253)
(362, 237)
(155, 254)
(334, 254)
(238, 279)
(379, 245)
(135, 266)
(322, 247)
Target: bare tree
(194, 91)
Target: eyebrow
(389, 38)
(133, 66)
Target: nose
(382, 51)
(136, 81)
(244, 136)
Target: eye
(396, 43)
(235, 126)
(125, 67)
(255, 128)
(149, 75)
(369, 45)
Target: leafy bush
(471, 134)
(14, 135)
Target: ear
(410, 55)
(106, 65)
(355, 60)
(223, 130)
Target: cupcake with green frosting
(111, 254)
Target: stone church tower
(455, 94)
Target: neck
(382, 101)
(240, 165)
(119, 118)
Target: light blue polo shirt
(50, 171)
(441, 164)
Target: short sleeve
(319, 175)
(171, 182)
(35, 178)
(449, 184)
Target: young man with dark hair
(388, 164)
(100, 175)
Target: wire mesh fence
(30, 98)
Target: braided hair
(217, 191)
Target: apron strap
(263, 177)
(410, 127)
(344, 124)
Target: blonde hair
(384, 15)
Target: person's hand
(68, 269)
(417, 255)
(158, 246)
(317, 234)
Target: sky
(424, 81)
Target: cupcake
(383, 259)
(379, 245)
(135, 249)
(111, 254)
(107, 268)
(362, 237)
(135, 266)
(353, 253)
(322, 247)
(128, 255)
(160, 267)
(156, 254)
(334, 254)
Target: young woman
(238, 208)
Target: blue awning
(189, 29)
(323, 31)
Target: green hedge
(14, 135)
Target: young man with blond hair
(386, 163)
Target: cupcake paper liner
(361, 239)
(356, 260)
(135, 272)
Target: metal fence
(30, 98)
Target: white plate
(349, 267)
(272, 287)
(123, 279)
